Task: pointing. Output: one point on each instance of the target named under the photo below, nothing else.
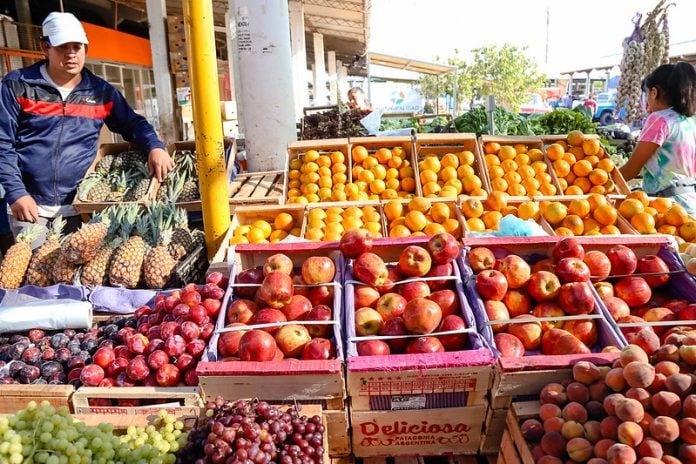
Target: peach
(575, 411)
(645, 422)
(610, 401)
(554, 424)
(687, 453)
(553, 393)
(689, 406)
(532, 430)
(628, 409)
(601, 447)
(667, 352)
(650, 461)
(687, 353)
(650, 448)
(579, 449)
(639, 394)
(639, 374)
(621, 454)
(679, 383)
(595, 410)
(615, 379)
(549, 460)
(646, 338)
(664, 429)
(609, 426)
(572, 429)
(537, 452)
(687, 430)
(578, 392)
(597, 461)
(553, 444)
(666, 403)
(630, 434)
(593, 431)
(586, 372)
(668, 459)
(549, 410)
(632, 353)
(599, 390)
(658, 384)
(667, 367)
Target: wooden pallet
(14, 397)
(513, 447)
(265, 187)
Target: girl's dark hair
(676, 84)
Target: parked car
(534, 105)
(606, 108)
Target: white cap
(62, 28)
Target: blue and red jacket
(47, 144)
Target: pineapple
(16, 261)
(94, 187)
(96, 271)
(44, 259)
(82, 245)
(140, 185)
(104, 164)
(63, 271)
(158, 264)
(126, 264)
(189, 191)
(198, 237)
(181, 241)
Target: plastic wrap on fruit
(22, 312)
(512, 226)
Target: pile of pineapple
(181, 184)
(120, 247)
(117, 177)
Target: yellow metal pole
(207, 121)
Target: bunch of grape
(254, 432)
(42, 434)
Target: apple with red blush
(440, 270)
(291, 339)
(257, 345)
(598, 264)
(391, 305)
(634, 290)
(318, 349)
(370, 269)
(491, 284)
(318, 270)
(543, 286)
(552, 310)
(447, 300)
(576, 297)
(567, 247)
(278, 262)
(297, 308)
(509, 345)
(544, 264)
(496, 311)
(515, 269)
(422, 345)
(276, 289)
(319, 313)
(355, 242)
(372, 348)
(414, 289)
(368, 322)
(365, 296)
(480, 259)
(268, 316)
(443, 247)
(452, 342)
(422, 316)
(652, 264)
(251, 277)
(572, 270)
(228, 342)
(321, 295)
(395, 327)
(414, 261)
(623, 260)
(604, 289)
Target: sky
(581, 33)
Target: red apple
(543, 286)
(372, 348)
(370, 269)
(393, 276)
(688, 313)
(321, 295)
(676, 305)
(658, 315)
(391, 305)
(414, 261)
(297, 308)
(480, 259)
(276, 290)
(576, 297)
(318, 270)
(291, 339)
(567, 247)
(572, 270)
(447, 300)
(529, 333)
(509, 345)
(491, 285)
(440, 270)
(652, 264)
(623, 260)
(278, 262)
(414, 289)
(599, 265)
(583, 330)
(300, 286)
(257, 345)
(240, 311)
(368, 322)
(549, 309)
(268, 316)
(425, 345)
(355, 242)
(253, 277)
(515, 269)
(365, 297)
(422, 316)
(618, 309)
(496, 311)
(452, 342)
(559, 341)
(545, 264)
(517, 302)
(604, 289)
(319, 313)
(634, 290)
(319, 348)
(443, 248)
(394, 327)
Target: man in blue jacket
(50, 117)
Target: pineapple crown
(175, 186)
(87, 184)
(30, 234)
(56, 229)
(131, 212)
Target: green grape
(53, 459)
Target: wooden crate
(14, 397)
(297, 150)
(183, 402)
(441, 144)
(513, 447)
(345, 204)
(455, 213)
(493, 430)
(253, 188)
(515, 202)
(372, 144)
(87, 208)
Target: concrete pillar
(342, 82)
(156, 17)
(299, 56)
(264, 61)
(233, 59)
(333, 82)
(319, 71)
(313, 71)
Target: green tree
(503, 71)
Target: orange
(507, 152)
(453, 226)
(687, 230)
(238, 240)
(491, 147)
(383, 155)
(509, 165)
(590, 225)
(509, 210)
(495, 172)
(548, 189)
(641, 196)
(337, 157)
(324, 161)
(395, 162)
(496, 201)
(472, 208)
(582, 168)
(610, 230)
(526, 171)
(575, 138)
(577, 152)
(667, 229)
(447, 173)
(535, 155)
(339, 169)
(573, 223)
(563, 143)
(540, 166)
(311, 155)
(569, 158)
(643, 223)
(591, 146)
(605, 214)
(522, 159)
(264, 226)
(595, 200)
(431, 188)
(676, 215)
(561, 168)
(399, 231)
(528, 210)
(406, 171)
(531, 184)
(555, 212)
(500, 185)
(408, 184)
(661, 204)
(370, 162)
(564, 232)
(630, 207)
(593, 160)
(606, 164)
(440, 212)
(448, 191)
(359, 154)
(450, 160)
(598, 176)
(431, 163)
(512, 178)
(256, 235)
(433, 229)
(295, 164)
(415, 220)
(598, 189)
(579, 207)
(574, 189)
(428, 176)
(584, 184)
(466, 158)
(491, 160)
(554, 151)
(610, 186)
(517, 190)
(475, 225)
(465, 170)
(491, 219)
(520, 148)
(284, 221)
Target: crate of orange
(317, 171)
(651, 215)
(382, 168)
(422, 216)
(516, 165)
(577, 215)
(582, 166)
(481, 215)
(450, 165)
(265, 224)
(329, 222)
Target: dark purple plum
(28, 374)
(59, 340)
(31, 355)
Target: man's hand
(25, 209)
(159, 163)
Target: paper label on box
(407, 402)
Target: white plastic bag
(23, 312)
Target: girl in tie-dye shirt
(666, 149)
